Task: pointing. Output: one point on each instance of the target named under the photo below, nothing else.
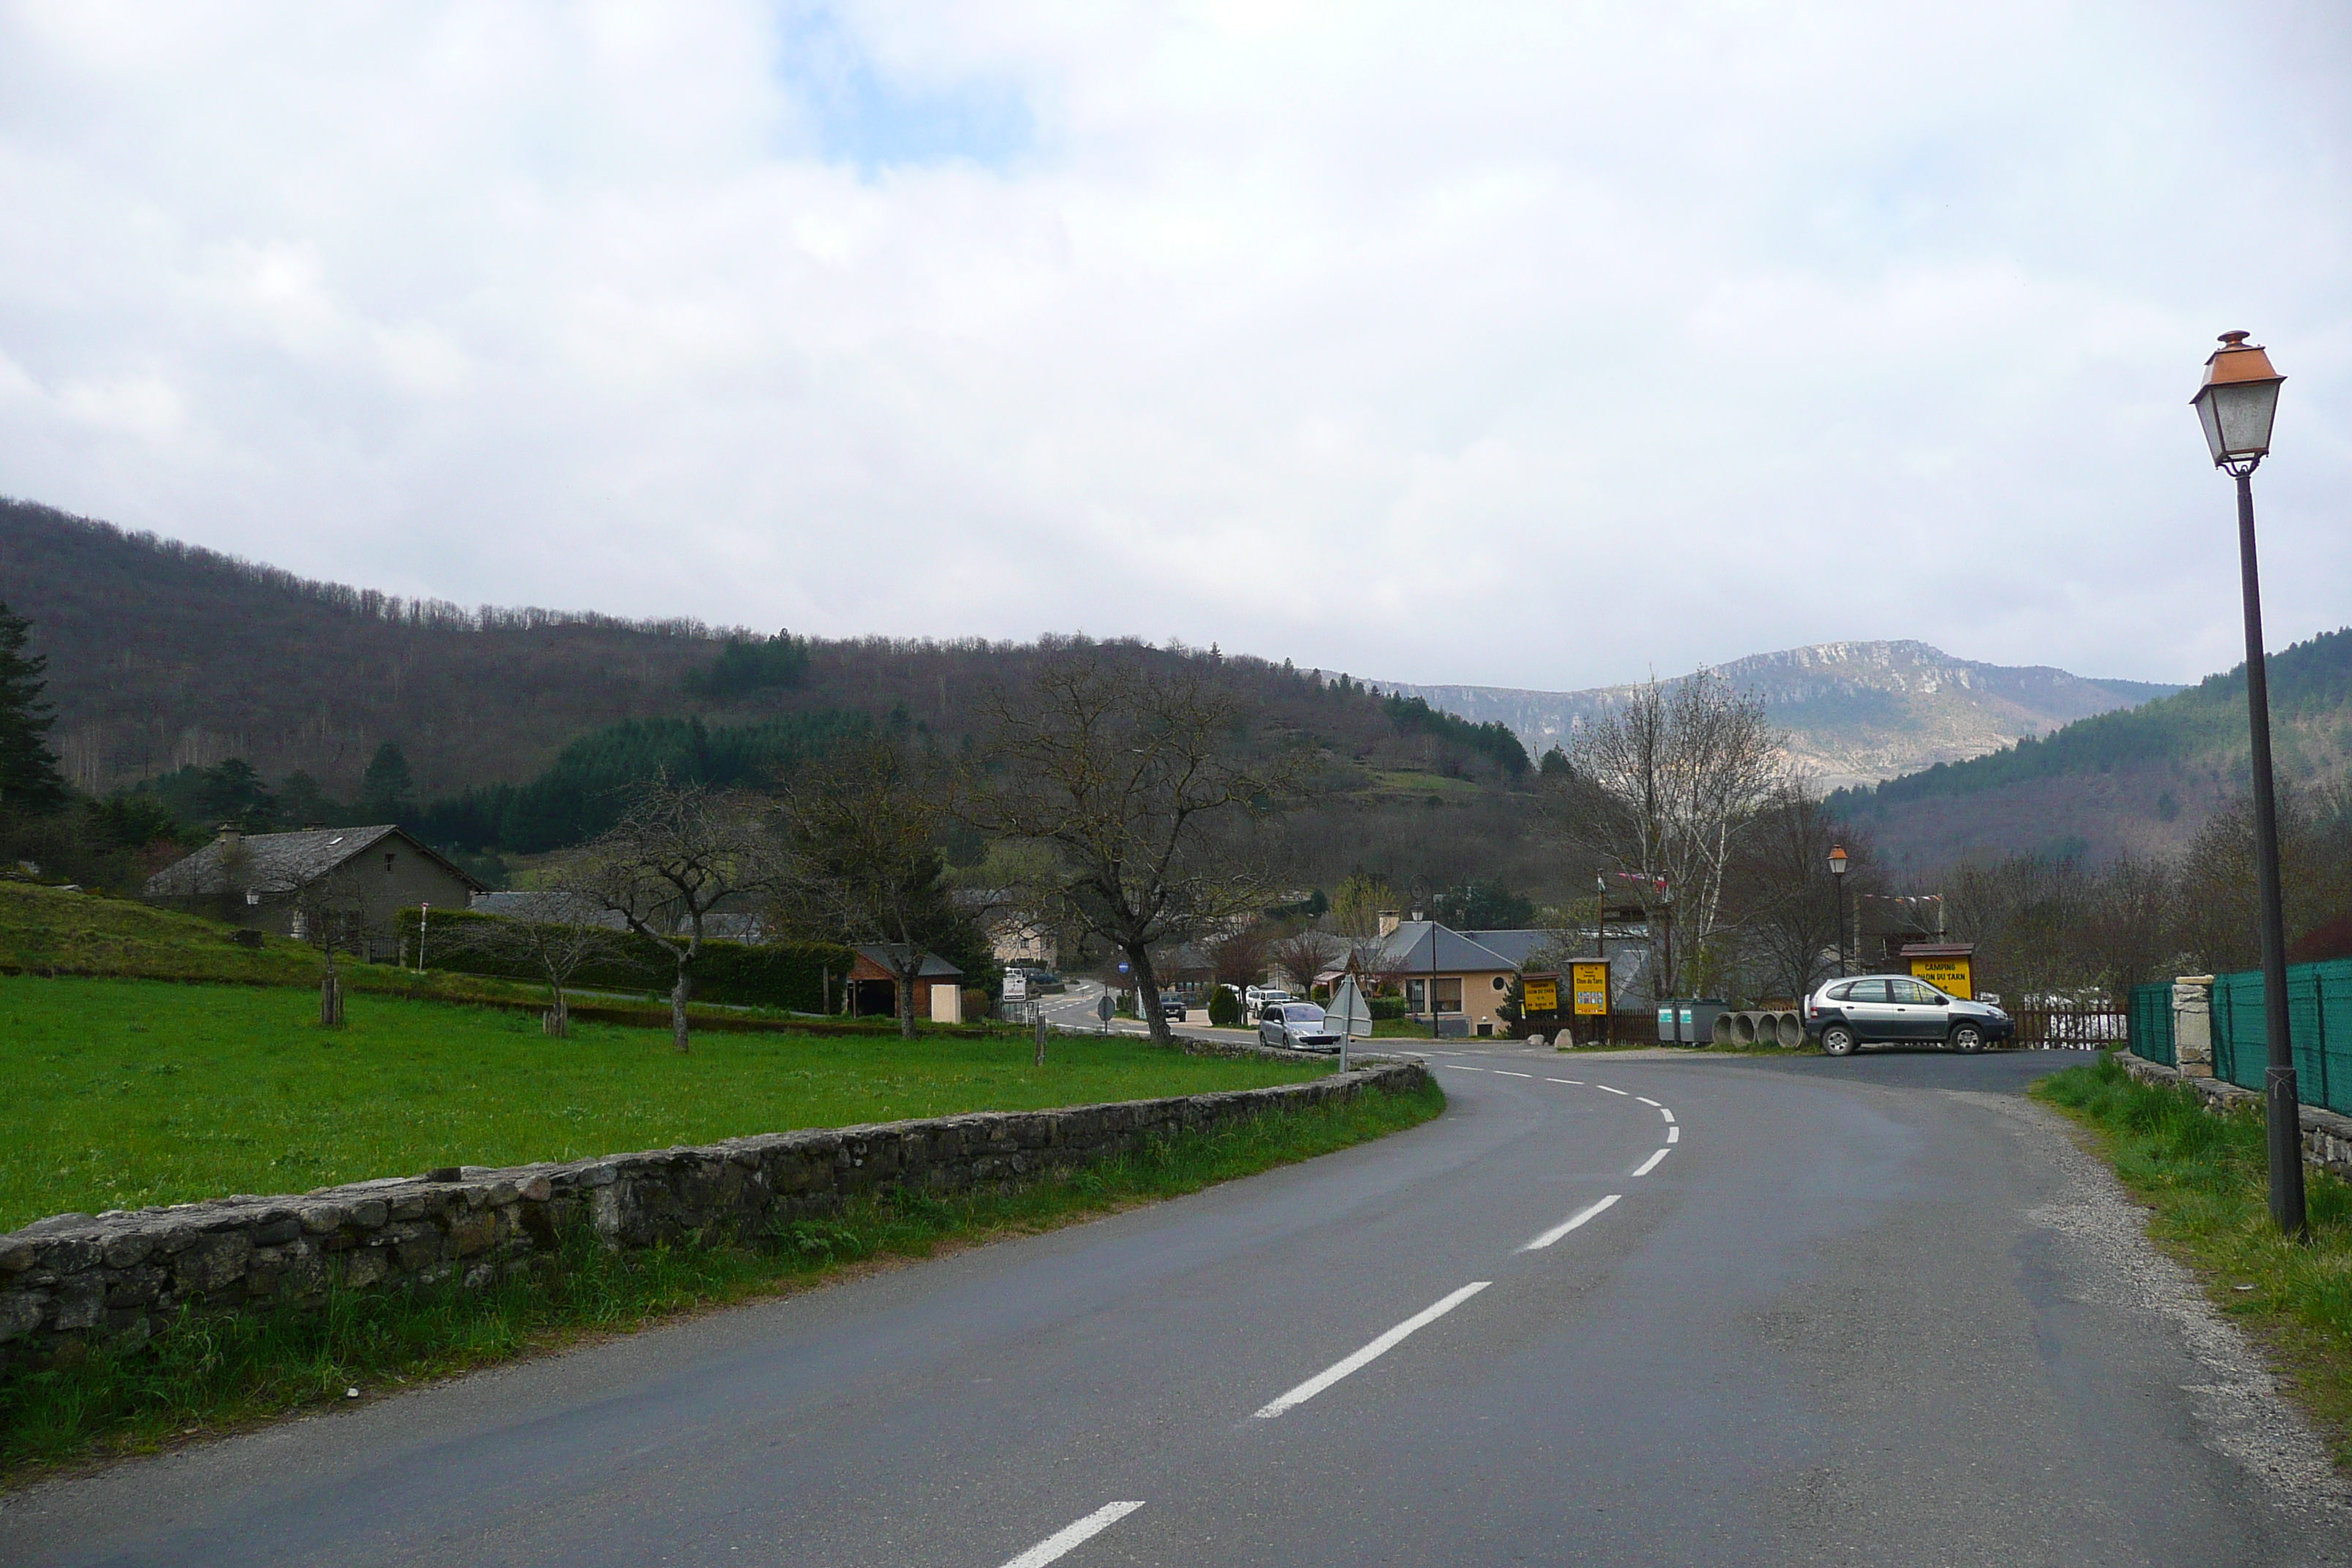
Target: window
(1867, 991)
(1414, 991)
(1449, 994)
(1501, 984)
(387, 863)
(1912, 992)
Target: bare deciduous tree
(555, 940)
(1126, 775)
(860, 859)
(678, 853)
(1305, 954)
(1779, 892)
(1663, 787)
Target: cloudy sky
(1525, 345)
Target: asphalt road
(1877, 1311)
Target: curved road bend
(1876, 1311)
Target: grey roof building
(284, 881)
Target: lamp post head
(2237, 402)
(1837, 859)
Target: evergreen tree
(29, 780)
(386, 792)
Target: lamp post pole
(2282, 1099)
(1600, 944)
(2236, 405)
(1837, 896)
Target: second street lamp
(2236, 405)
(1837, 896)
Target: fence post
(2319, 1028)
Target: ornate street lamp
(1837, 896)
(2236, 405)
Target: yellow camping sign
(1957, 975)
(1541, 994)
(1591, 982)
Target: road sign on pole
(1103, 1011)
(1351, 1014)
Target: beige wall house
(1465, 975)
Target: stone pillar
(2192, 1025)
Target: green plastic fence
(2319, 1023)
(2149, 1019)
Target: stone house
(347, 882)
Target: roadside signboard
(1591, 983)
(1955, 975)
(1539, 994)
(1349, 1014)
(1016, 985)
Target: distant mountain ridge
(2140, 781)
(1855, 712)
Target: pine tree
(386, 792)
(29, 780)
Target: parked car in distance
(1895, 1009)
(1258, 998)
(1300, 1025)
(1173, 1008)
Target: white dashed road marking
(1647, 1100)
(1665, 1112)
(1578, 1218)
(1506, 1072)
(1674, 1134)
(1362, 1358)
(1606, 1089)
(1578, 1081)
(1650, 1164)
(1087, 1529)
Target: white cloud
(1535, 345)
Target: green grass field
(129, 1092)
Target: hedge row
(782, 974)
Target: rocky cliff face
(1854, 712)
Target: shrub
(1225, 1009)
(781, 975)
(1385, 1009)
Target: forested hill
(2142, 778)
(164, 658)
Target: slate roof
(540, 904)
(884, 956)
(278, 863)
(1516, 946)
(1408, 951)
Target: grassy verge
(210, 1378)
(124, 1093)
(2205, 1177)
(51, 933)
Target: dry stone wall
(117, 1278)
(2326, 1136)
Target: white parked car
(1300, 1025)
(1258, 998)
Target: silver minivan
(1897, 1009)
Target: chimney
(231, 835)
(1388, 923)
